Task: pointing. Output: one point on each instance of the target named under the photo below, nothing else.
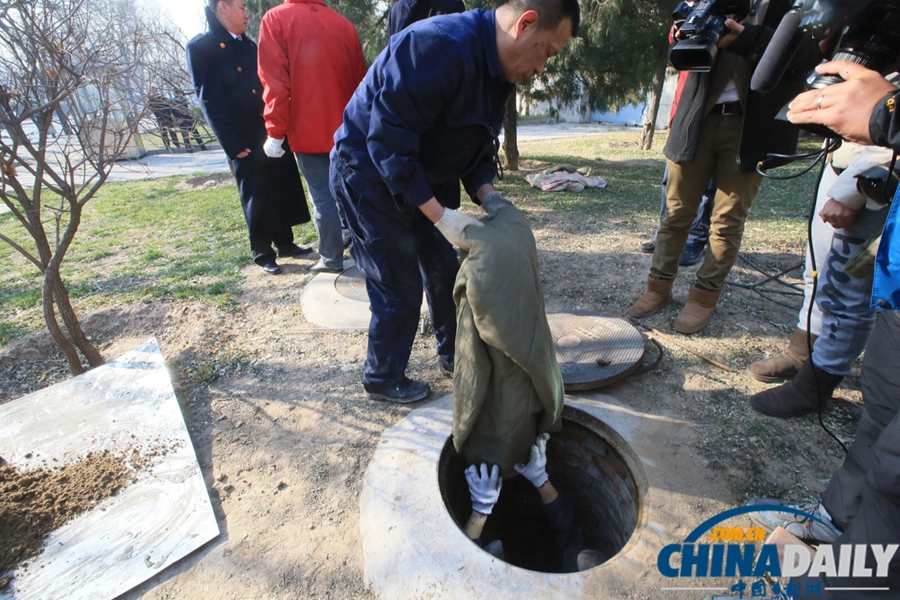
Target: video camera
(867, 32)
(700, 27)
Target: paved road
(165, 165)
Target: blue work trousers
(398, 250)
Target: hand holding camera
(844, 107)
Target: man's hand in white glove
(536, 469)
(484, 488)
(273, 148)
(453, 225)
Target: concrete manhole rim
(413, 548)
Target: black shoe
(406, 391)
(691, 255)
(293, 250)
(444, 367)
(802, 395)
(648, 247)
(271, 268)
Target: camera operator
(723, 129)
(862, 499)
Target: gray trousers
(863, 496)
(841, 317)
(325, 213)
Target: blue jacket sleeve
(421, 73)
(209, 89)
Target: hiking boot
(698, 311)
(820, 530)
(784, 366)
(658, 294)
(403, 392)
(691, 255)
(802, 395)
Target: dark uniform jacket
(406, 12)
(223, 70)
(761, 133)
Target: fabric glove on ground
(494, 201)
(273, 148)
(536, 469)
(452, 226)
(484, 488)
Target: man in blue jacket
(862, 500)
(426, 116)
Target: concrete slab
(164, 515)
(412, 548)
(323, 303)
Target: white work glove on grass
(452, 226)
(536, 469)
(273, 148)
(484, 488)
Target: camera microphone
(779, 53)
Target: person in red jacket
(310, 62)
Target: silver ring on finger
(819, 101)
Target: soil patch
(35, 502)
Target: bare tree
(74, 76)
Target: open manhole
(594, 349)
(352, 284)
(587, 461)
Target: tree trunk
(659, 79)
(510, 135)
(56, 333)
(61, 297)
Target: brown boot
(698, 311)
(658, 294)
(784, 366)
(810, 388)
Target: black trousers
(863, 496)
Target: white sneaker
(815, 531)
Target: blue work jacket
(886, 286)
(427, 114)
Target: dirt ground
(283, 431)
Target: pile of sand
(33, 503)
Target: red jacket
(310, 62)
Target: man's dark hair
(212, 4)
(551, 12)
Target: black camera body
(700, 27)
(866, 32)
(869, 32)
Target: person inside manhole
(570, 550)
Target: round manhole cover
(352, 284)
(594, 349)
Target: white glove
(273, 148)
(484, 489)
(453, 224)
(536, 469)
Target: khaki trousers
(717, 152)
